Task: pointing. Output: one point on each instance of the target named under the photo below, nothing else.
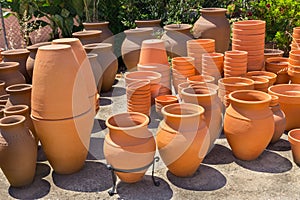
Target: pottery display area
(189, 119)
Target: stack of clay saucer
(182, 68)
(139, 97)
(235, 63)
(212, 64)
(294, 66)
(296, 39)
(249, 35)
(196, 48)
(279, 66)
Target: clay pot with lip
(152, 23)
(10, 74)
(153, 51)
(260, 83)
(279, 119)
(248, 123)
(164, 100)
(294, 139)
(106, 35)
(18, 151)
(279, 66)
(20, 56)
(269, 75)
(182, 138)
(19, 94)
(129, 140)
(88, 37)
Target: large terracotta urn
(248, 123)
(182, 138)
(209, 26)
(106, 35)
(10, 74)
(129, 145)
(18, 151)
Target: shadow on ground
(219, 155)
(280, 145)
(205, 179)
(96, 149)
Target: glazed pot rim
(232, 97)
(290, 134)
(200, 110)
(16, 108)
(19, 87)
(277, 60)
(119, 115)
(147, 20)
(11, 120)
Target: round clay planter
(129, 139)
(24, 111)
(279, 66)
(164, 100)
(269, 75)
(235, 56)
(260, 83)
(31, 58)
(53, 83)
(97, 70)
(293, 62)
(294, 74)
(18, 151)
(153, 52)
(289, 101)
(2, 88)
(182, 138)
(248, 123)
(10, 74)
(208, 99)
(183, 61)
(231, 84)
(66, 141)
(19, 94)
(210, 24)
(269, 53)
(108, 62)
(294, 54)
(20, 56)
(176, 36)
(249, 25)
(106, 35)
(294, 139)
(248, 32)
(88, 37)
(279, 119)
(84, 65)
(131, 45)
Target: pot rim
(11, 120)
(165, 112)
(213, 10)
(189, 93)
(18, 87)
(267, 99)
(15, 51)
(290, 134)
(16, 108)
(283, 95)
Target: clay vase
(31, 58)
(106, 35)
(20, 56)
(108, 62)
(279, 119)
(131, 46)
(289, 101)
(23, 110)
(97, 70)
(248, 123)
(18, 151)
(129, 140)
(164, 100)
(279, 66)
(10, 74)
(152, 23)
(2, 88)
(211, 23)
(208, 99)
(88, 37)
(294, 139)
(57, 77)
(19, 94)
(182, 138)
(176, 36)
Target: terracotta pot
(199, 79)
(279, 66)
(84, 65)
(248, 32)
(3, 99)
(2, 88)
(106, 35)
(131, 46)
(248, 123)
(154, 23)
(164, 100)
(210, 24)
(20, 56)
(208, 99)
(97, 70)
(279, 119)
(289, 101)
(294, 54)
(31, 58)
(294, 139)
(296, 30)
(269, 53)
(294, 74)
(153, 52)
(88, 37)
(129, 139)
(235, 56)
(19, 94)
(182, 138)
(260, 83)
(18, 151)
(249, 24)
(108, 62)
(66, 141)
(212, 64)
(10, 74)
(48, 78)
(269, 75)
(23, 110)
(236, 83)
(176, 36)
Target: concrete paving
(273, 175)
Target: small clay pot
(269, 75)
(294, 139)
(260, 83)
(279, 119)
(153, 51)
(164, 100)
(10, 74)
(19, 94)
(279, 66)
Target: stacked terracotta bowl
(279, 66)
(196, 48)
(212, 64)
(260, 83)
(139, 96)
(294, 66)
(235, 63)
(249, 35)
(296, 39)
(269, 75)
(164, 100)
(182, 68)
